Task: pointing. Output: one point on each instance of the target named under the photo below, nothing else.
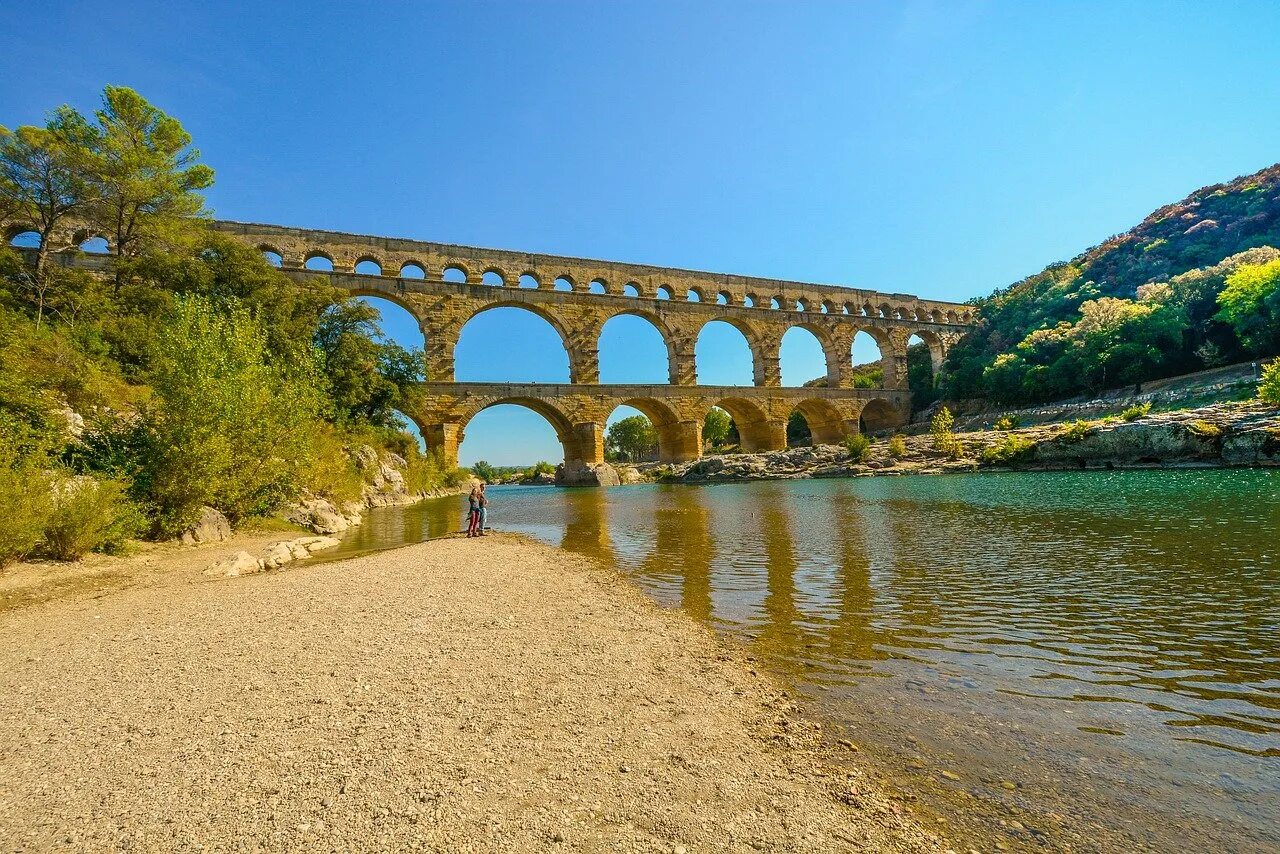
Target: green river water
(1044, 660)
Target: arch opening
(413, 270)
(453, 273)
(633, 349)
(394, 322)
(749, 301)
(878, 416)
(368, 267)
(723, 355)
(723, 298)
(25, 240)
(598, 286)
(483, 352)
(492, 278)
(750, 423)
(274, 258)
(516, 433)
(631, 289)
(665, 292)
(694, 295)
(562, 283)
(528, 280)
(924, 358)
(815, 422)
(318, 261)
(802, 359)
(96, 246)
(719, 432)
(868, 361)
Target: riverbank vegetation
(1194, 286)
(189, 372)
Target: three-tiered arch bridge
(443, 286)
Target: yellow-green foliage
(944, 439)
(859, 447)
(1269, 385)
(333, 473)
(1138, 410)
(1008, 422)
(25, 506)
(89, 515)
(1010, 450)
(1204, 429)
(897, 447)
(1075, 431)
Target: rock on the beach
(321, 516)
(240, 563)
(210, 527)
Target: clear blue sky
(936, 148)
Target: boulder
(278, 555)
(240, 563)
(322, 516)
(210, 527)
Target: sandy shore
(459, 695)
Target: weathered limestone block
(210, 527)
(240, 563)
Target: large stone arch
(657, 321)
(826, 340)
(937, 346)
(827, 424)
(547, 313)
(764, 363)
(757, 430)
(879, 414)
(679, 438)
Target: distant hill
(1141, 305)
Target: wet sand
(459, 695)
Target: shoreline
(670, 728)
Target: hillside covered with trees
(1194, 286)
(189, 373)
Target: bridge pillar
(894, 359)
(684, 363)
(768, 373)
(680, 442)
(444, 439)
(584, 366)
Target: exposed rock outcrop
(210, 527)
(278, 554)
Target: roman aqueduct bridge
(443, 286)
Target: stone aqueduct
(443, 286)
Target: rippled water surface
(1072, 659)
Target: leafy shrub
(1138, 410)
(1269, 385)
(89, 515)
(897, 447)
(1075, 431)
(943, 439)
(1204, 429)
(25, 506)
(1010, 450)
(1008, 422)
(858, 446)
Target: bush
(1204, 429)
(89, 515)
(1010, 450)
(1269, 385)
(1008, 422)
(1075, 431)
(1138, 410)
(943, 439)
(897, 447)
(858, 446)
(25, 505)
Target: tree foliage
(1140, 306)
(715, 428)
(633, 438)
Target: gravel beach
(458, 695)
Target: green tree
(633, 438)
(798, 432)
(227, 426)
(45, 179)
(147, 176)
(715, 427)
(1250, 302)
(484, 471)
(1269, 385)
(367, 375)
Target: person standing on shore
(473, 511)
(484, 511)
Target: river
(1042, 660)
